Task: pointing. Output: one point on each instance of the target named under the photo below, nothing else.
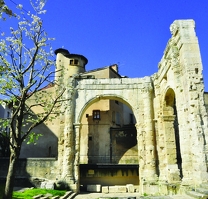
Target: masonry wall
(30, 171)
(179, 108)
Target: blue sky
(132, 34)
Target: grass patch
(29, 193)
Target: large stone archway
(118, 89)
(175, 90)
(108, 153)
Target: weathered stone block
(49, 185)
(105, 189)
(43, 185)
(122, 189)
(130, 188)
(113, 189)
(117, 189)
(94, 188)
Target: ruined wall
(179, 103)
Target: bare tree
(26, 68)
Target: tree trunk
(11, 175)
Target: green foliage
(145, 194)
(33, 138)
(29, 193)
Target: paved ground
(87, 195)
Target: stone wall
(31, 170)
(180, 114)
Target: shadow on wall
(124, 145)
(27, 168)
(45, 146)
(111, 145)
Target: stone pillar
(173, 174)
(69, 140)
(77, 156)
(141, 149)
(190, 103)
(149, 171)
(162, 160)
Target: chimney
(114, 67)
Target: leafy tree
(26, 69)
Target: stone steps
(204, 185)
(195, 194)
(200, 192)
(68, 195)
(72, 196)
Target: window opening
(75, 62)
(96, 115)
(71, 62)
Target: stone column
(149, 172)
(77, 156)
(141, 148)
(173, 174)
(69, 140)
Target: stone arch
(113, 128)
(102, 143)
(172, 135)
(99, 97)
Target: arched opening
(108, 144)
(172, 130)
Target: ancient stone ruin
(150, 133)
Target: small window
(90, 138)
(96, 115)
(71, 61)
(116, 102)
(76, 62)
